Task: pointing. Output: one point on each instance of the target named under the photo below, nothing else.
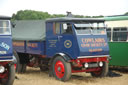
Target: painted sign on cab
(93, 42)
(5, 46)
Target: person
(69, 28)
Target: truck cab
(7, 71)
(78, 38)
(80, 41)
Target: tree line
(39, 15)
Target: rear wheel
(61, 69)
(24, 67)
(9, 75)
(43, 65)
(43, 68)
(103, 72)
(20, 68)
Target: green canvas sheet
(29, 30)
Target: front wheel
(61, 69)
(103, 72)
(8, 75)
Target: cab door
(67, 39)
(60, 39)
(52, 38)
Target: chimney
(69, 14)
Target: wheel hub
(59, 69)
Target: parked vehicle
(64, 45)
(7, 71)
(118, 39)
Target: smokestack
(69, 14)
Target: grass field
(34, 76)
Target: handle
(59, 37)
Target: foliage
(98, 16)
(38, 15)
(126, 13)
(30, 15)
(57, 15)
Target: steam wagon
(64, 45)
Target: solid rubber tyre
(103, 72)
(20, 68)
(24, 67)
(61, 69)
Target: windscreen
(90, 28)
(5, 28)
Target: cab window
(5, 27)
(56, 28)
(66, 28)
(90, 28)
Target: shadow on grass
(83, 78)
(35, 71)
(112, 73)
(120, 69)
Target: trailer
(117, 30)
(7, 71)
(62, 45)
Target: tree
(30, 15)
(101, 16)
(39, 15)
(126, 13)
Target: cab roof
(5, 17)
(116, 18)
(66, 19)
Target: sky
(77, 7)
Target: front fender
(65, 56)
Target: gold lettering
(18, 43)
(95, 50)
(32, 45)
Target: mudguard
(65, 57)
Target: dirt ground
(34, 76)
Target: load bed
(29, 30)
(29, 36)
